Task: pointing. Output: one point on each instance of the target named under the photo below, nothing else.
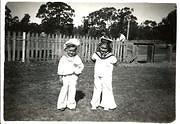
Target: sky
(143, 11)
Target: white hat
(73, 41)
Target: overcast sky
(143, 11)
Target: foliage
(55, 16)
(146, 30)
(25, 22)
(109, 20)
(167, 28)
(8, 17)
(24, 25)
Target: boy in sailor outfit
(104, 62)
(69, 68)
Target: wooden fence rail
(26, 47)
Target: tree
(25, 19)
(110, 20)
(55, 15)
(15, 26)
(146, 30)
(34, 27)
(133, 31)
(167, 27)
(8, 18)
(121, 19)
(99, 21)
(25, 23)
(101, 16)
(15, 20)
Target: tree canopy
(55, 15)
(109, 20)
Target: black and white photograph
(68, 61)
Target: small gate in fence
(27, 47)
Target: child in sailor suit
(69, 68)
(104, 62)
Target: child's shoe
(106, 109)
(93, 108)
(61, 109)
(72, 108)
(100, 107)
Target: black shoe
(100, 107)
(62, 109)
(72, 109)
(112, 109)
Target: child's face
(103, 49)
(71, 51)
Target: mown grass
(143, 93)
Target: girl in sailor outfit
(104, 62)
(69, 68)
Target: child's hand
(115, 64)
(60, 78)
(76, 74)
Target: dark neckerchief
(105, 57)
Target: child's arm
(115, 64)
(114, 61)
(93, 58)
(60, 66)
(79, 66)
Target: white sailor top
(70, 65)
(103, 65)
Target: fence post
(149, 53)
(86, 49)
(55, 48)
(59, 46)
(18, 44)
(124, 51)
(9, 46)
(23, 46)
(170, 53)
(28, 47)
(120, 51)
(89, 48)
(52, 47)
(134, 50)
(32, 45)
(137, 52)
(36, 46)
(83, 48)
(14, 46)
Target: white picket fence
(27, 47)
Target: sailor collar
(105, 57)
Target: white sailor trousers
(103, 85)
(68, 91)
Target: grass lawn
(143, 93)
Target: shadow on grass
(142, 61)
(79, 95)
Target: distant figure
(43, 34)
(121, 38)
(104, 35)
(104, 61)
(69, 68)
